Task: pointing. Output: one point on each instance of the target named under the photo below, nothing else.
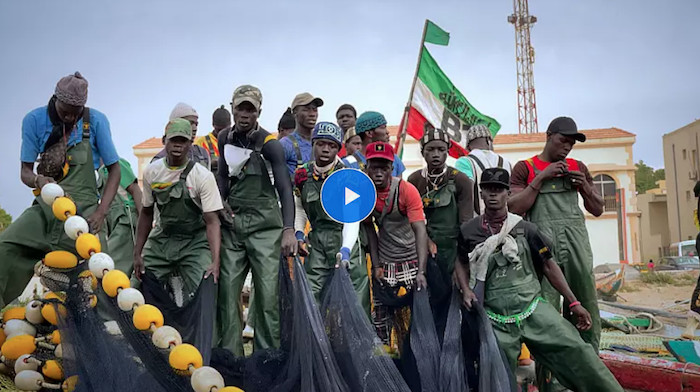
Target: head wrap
(183, 110)
(221, 117)
(478, 131)
(434, 134)
(72, 90)
(369, 121)
(287, 120)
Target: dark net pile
(102, 362)
(360, 354)
(494, 373)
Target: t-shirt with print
(200, 183)
(410, 203)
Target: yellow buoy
(14, 314)
(145, 315)
(60, 259)
(231, 389)
(48, 311)
(52, 369)
(89, 275)
(87, 244)
(70, 384)
(62, 208)
(2, 336)
(17, 346)
(92, 300)
(402, 291)
(56, 337)
(114, 280)
(184, 355)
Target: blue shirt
(36, 128)
(399, 168)
(290, 153)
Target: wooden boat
(652, 374)
(609, 283)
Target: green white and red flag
(436, 102)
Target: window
(608, 189)
(684, 154)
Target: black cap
(567, 127)
(495, 176)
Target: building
(682, 164)
(608, 154)
(653, 223)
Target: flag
(437, 103)
(435, 35)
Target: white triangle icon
(350, 196)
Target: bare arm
(114, 175)
(30, 179)
(135, 190)
(373, 242)
(421, 244)
(592, 200)
(214, 239)
(556, 278)
(465, 197)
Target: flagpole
(402, 133)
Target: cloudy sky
(631, 64)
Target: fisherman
(220, 120)
(694, 311)
(447, 201)
(330, 241)
(262, 226)
(481, 157)
(545, 191)
(400, 248)
(70, 140)
(371, 126)
(500, 255)
(187, 241)
(197, 153)
(286, 124)
(123, 216)
(353, 141)
(297, 146)
(346, 115)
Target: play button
(348, 195)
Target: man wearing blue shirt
(70, 140)
(297, 146)
(371, 127)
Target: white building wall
(604, 241)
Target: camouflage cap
(178, 127)
(247, 93)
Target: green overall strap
(86, 124)
(500, 161)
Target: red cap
(380, 150)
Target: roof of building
(511, 138)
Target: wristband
(571, 305)
(345, 253)
(300, 235)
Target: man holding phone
(545, 190)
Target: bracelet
(575, 303)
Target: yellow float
(113, 281)
(63, 208)
(146, 316)
(87, 244)
(60, 259)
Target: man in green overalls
(123, 216)
(262, 227)
(500, 256)
(447, 201)
(70, 140)
(328, 239)
(545, 191)
(188, 239)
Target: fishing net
(194, 320)
(311, 365)
(359, 352)
(425, 346)
(453, 377)
(494, 373)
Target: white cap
(182, 110)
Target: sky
(631, 64)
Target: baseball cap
(304, 99)
(381, 150)
(495, 176)
(567, 127)
(178, 127)
(327, 130)
(247, 93)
